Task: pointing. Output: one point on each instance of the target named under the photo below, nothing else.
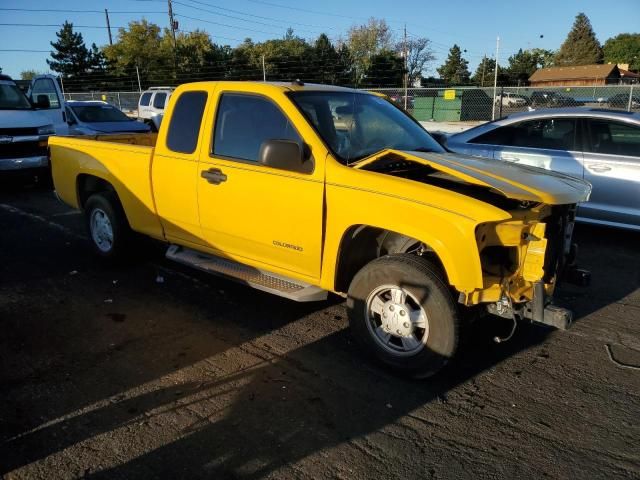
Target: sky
(474, 26)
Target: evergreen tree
(483, 76)
(385, 70)
(71, 57)
(521, 66)
(325, 64)
(345, 74)
(456, 69)
(581, 46)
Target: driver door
(265, 217)
(47, 85)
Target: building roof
(573, 73)
(628, 74)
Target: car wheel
(402, 313)
(107, 226)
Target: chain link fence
(459, 103)
(474, 103)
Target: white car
(153, 102)
(511, 100)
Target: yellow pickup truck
(301, 190)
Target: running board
(258, 279)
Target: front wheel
(402, 313)
(109, 231)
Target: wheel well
(362, 244)
(87, 185)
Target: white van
(153, 102)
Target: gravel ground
(150, 370)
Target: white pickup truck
(27, 121)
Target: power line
(22, 50)
(57, 25)
(235, 17)
(260, 16)
(226, 25)
(60, 10)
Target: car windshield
(356, 125)
(99, 113)
(12, 98)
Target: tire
(107, 226)
(423, 338)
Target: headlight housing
(46, 130)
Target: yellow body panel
(287, 222)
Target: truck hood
(518, 182)
(22, 119)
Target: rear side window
(614, 138)
(184, 128)
(158, 100)
(45, 86)
(244, 122)
(144, 99)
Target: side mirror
(156, 120)
(285, 155)
(42, 101)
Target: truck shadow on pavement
(250, 403)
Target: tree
(345, 74)
(581, 46)
(385, 70)
(623, 48)
(28, 74)
(521, 66)
(142, 46)
(285, 59)
(365, 41)
(419, 55)
(484, 74)
(325, 62)
(71, 57)
(456, 69)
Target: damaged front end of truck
(524, 257)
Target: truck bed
(121, 160)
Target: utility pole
(495, 82)
(172, 23)
(406, 72)
(264, 71)
(106, 14)
(484, 64)
(138, 75)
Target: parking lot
(150, 370)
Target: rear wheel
(402, 313)
(109, 232)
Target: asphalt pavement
(151, 370)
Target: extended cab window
(145, 98)
(184, 128)
(158, 100)
(244, 122)
(45, 86)
(548, 133)
(614, 138)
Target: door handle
(214, 176)
(599, 168)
